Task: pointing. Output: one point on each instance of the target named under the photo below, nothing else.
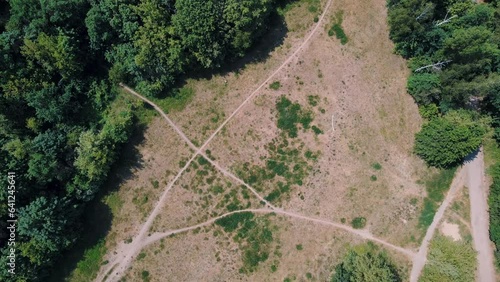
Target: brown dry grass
(201, 256)
(157, 160)
(361, 84)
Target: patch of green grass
(316, 130)
(177, 101)
(87, 268)
(142, 255)
(427, 214)
(145, 276)
(358, 222)
(312, 9)
(373, 178)
(376, 166)
(114, 202)
(337, 29)
(309, 275)
(313, 100)
(155, 184)
(436, 188)
(290, 115)
(439, 184)
(299, 247)
(275, 85)
(231, 222)
(253, 235)
(202, 161)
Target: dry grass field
(329, 137)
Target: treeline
(454, 55)
(61, 125)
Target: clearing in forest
(325, 145)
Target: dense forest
(454, 56)
(60, 129)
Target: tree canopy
(366, 263)
(62, 122)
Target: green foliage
(299, 247)
(358, 222)
(231, 222)
(373, 178)
(494, 211)
(337, 29)
(428, 212)
(449, 261)
(366, 263)
(436, 188)
(424, 87)
(254, 237)
(376, 166)
(439, 183)
(313, 100)
(446, 141)
(316, 130)
(44, 223)
(87, 268)
(290, 115)
(275, 85)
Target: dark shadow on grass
(97, 216)
(260, 51)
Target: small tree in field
(446, 141)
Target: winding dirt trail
(421, 258)
(125, 254)
(360, 232)
(480, 218)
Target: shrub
(358, 222)
(373, 178)
(377, 166)
(317, 130)
(449, 261)
(366, 263)
(446, 141)
(275, 85)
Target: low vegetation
(449, 261)
(286, 165)
(358, 222)
(337, 29)
(436, 188)
(254, 236)
(366, 263)
(494, 204)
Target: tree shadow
(97, 216)
(260, 51)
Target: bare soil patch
(156, 162)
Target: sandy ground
(451, 230)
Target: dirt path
(420, 259)
(271, 208)
(362, 233)
(480, 218)
(126, 252)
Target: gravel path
(480, 218)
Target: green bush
(446, 141)
(358, 222)
(275, 85)
(368, 264)
(449, 261)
